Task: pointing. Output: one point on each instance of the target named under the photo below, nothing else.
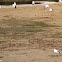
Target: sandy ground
(36, 48)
